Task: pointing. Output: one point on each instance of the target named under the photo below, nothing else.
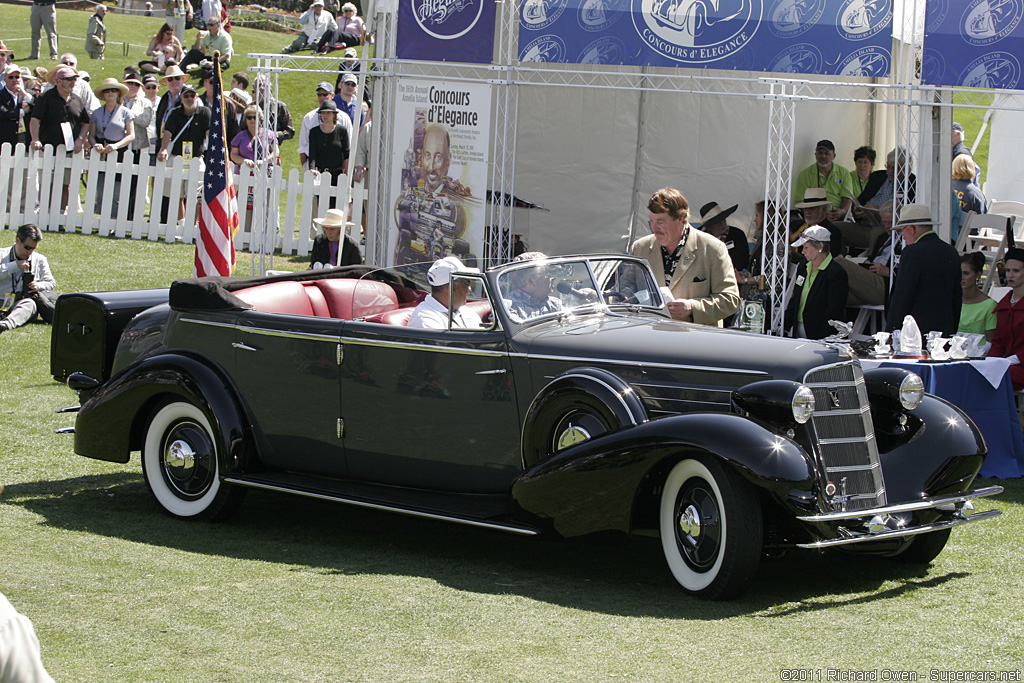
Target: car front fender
(937, 452)
(595, 487)
(112, 422)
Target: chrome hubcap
(180, 456)
(689, 524)
(573, 435)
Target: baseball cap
(325, 86)
(827, 144)
(815, 232)
(441, 272)
(349, 78)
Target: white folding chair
(1014, 209)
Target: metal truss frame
(914, 103)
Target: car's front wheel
(711, 528)
(180, 464)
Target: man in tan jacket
(691, 264)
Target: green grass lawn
(298, 590)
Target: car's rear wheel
(711, 528)
(181, 467)
(575, 408)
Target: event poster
(446, 30)
(836, 37)
(975, 43)
(442, 137)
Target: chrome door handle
(499, 371)
(244, 347)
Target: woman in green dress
(978, 312)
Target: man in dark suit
(927, 284)
(15, 106)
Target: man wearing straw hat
(927, 284)
(15, 106)
(174, 79)
(60, 117)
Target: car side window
(469, 305)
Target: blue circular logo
(597, 15)
(869, 62)
(934, 14)
(802, 58)
(696, 31)
(606, 50)
(548, 49)
(994, 70)
(447, 19)
(539, 14)
(933, 67)
(790, 18)
(862, 19)
(988, 21)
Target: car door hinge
(341, 427)
(341, 353)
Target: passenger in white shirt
(432, 312)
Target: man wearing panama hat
(174, 79)
(927, 276)
(713, 221)
(334, 247)
(815, 210)
(15, 107)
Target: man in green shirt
(827, 174)
(207, 42)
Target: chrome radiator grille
(845, 435)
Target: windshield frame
(601, 306)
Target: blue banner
(977, 44)
(446, 30)
(838, 37)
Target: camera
(27, 278)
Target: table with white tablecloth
(982, 389)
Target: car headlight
(911, 391)
(803, 404)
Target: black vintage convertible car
(590, 414)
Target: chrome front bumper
(890, 521)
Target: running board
(386, 507)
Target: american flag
(218, 214)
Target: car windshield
(543, 287)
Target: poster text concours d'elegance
(441, 105)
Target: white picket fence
(31, 184)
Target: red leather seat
(317, 300)
(350, 299)
(482, 307)
(399, 316)
(278, 297)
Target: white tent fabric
(1003, 179)
(577, 147)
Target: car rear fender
(607, 484)
(112, 422)
(599, 392)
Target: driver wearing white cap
(432, 312)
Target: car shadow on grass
(312, 536)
